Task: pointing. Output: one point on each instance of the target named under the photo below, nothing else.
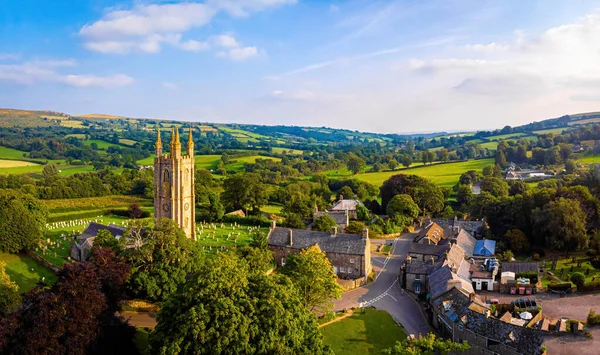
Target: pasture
(367, 333)
(589, 159)
(92, 207)
(489, 145)
(25, 271)
(15, 163)
(101, 144)
(442, 174)
(289, 151)
(9, 153)
(505, 136)
(127, 142)
(551, 130)
(237, 164)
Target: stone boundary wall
(348, 285)
(42, 261)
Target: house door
(484, 285)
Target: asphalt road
(385, 293)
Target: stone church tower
(174, 184)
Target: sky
(377, 66)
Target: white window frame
(342, 270)
(351, 261)
(282, 261)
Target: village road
(385, 293)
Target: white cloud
(100, 81)
(490, 47)
(145, 28)
(10, 56)
(194, 46)
(227, 41)
(33, 72)
(302, 95)
(170, 86)
(239, 54)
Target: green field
(589, 159)
(489, 145)
(551, 130)
(224, 234)
(9, 153)
(289, 151)
(237, 164)
(25, 271)
(127, 142)
(441, 174)
(505, 136)
(272, 209)
(15, 164)
(101, 144)
(367, 333)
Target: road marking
(387, 259)
(392, 297)
(379, 261)
(367, 303)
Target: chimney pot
(333, 231)
(273, 224)
(291, 240)
(365, 233)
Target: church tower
(174, 183)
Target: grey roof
(343, 205)
(301, 239)
(93, 228)
(518, 267)
(421, 267)
(340, 217)
(466, 241)
(523, 339)
(427, 249)
(444, 279)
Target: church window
(166, 176)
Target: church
(174, 183)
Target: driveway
(385, 293)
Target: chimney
(333, 231)
(471, 297)
(341, 197)
(365, 233)
(273, 224)
(453, 268)
(291, 240)
(431, 260)
(408, 259)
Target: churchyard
(214, 235)
(25, 271)
(565, 267)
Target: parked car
(525, 302)
(493, 301)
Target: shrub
(592, 285)
(563, 286)
(593, 318)
(535, 257)
(249, 220)
(579, 280)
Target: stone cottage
(343, 205)
(85, 241)
(349, 254)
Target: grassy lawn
(590, 159)
(566, 264)
(367, 333)
(141, 339)
(272, 209)
(9, 153)
(25, 271)
(440, 174)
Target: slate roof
(524, 340)
(301, 239)
(432, 231)
(345, 205)
(466, 241)
(340, 217)
(427, 249)
(485, 247)
(444, 279)
(93, 228)
(518, 267)
(422, 267)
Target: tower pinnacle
(158, 145)
(175, 143)
(190, 143)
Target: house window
(282, 261)
(342, 270)
(417, 277)
(351, 261)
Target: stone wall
(42, 261)
(352, 284)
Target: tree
(161, 258)
(75, 316)
(49, 174)
(393, 164)
(293, 220)
(562, 224)
(215, 207)
(403, 210)
(244, 190)
(507, 256)
(324, 223)
(578, 279)
(406, 160)
(570, 166)
(105, 239)
(517, 187)
(355, 227)
(135, 211)
(448, 212)
(496, 186)
(22, 221)
(362, 213)
(226, 309)
(500, 159)
(312, 274)
(424, 193)
(355, 164)
(9, 293)
(427, 345)
(345, 192)
(464, 195)
(259, 240)
(518, 240)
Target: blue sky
(383, 66)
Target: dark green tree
(579, 280)
(345, 192)
(215, 207)
(324, 223)
(355, 164)
(9, 293)
(355, 227)
(427, 345)
(226, 309)
(496, 186)
(425, 194)
(293, 220)
(518, 240)
(22, 221)
(402, 210)
(562, 224)
(362, 213)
